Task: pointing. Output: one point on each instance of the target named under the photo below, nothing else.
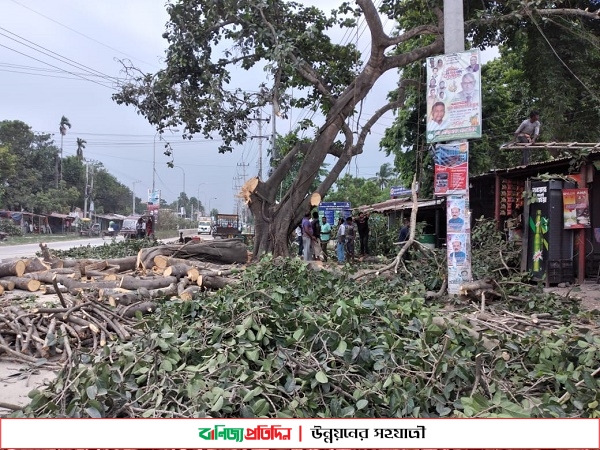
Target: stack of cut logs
(100, 299)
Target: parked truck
(205, 225)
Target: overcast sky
(57, 57)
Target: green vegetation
(289, 341)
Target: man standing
(528, 132)
(404, 231)
(316, 227)
(362, 223)
(299, 240)
(307, 237)
(341, 241)
(325, 236)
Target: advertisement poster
(537, 255)
(451, 168)
(457, 215)
(334, 210)
(458, 242)
(576, 207)
(153, 200)
(454, 96)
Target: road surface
(29, 250)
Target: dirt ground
(18, 379)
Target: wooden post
(497, 202)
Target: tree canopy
(204, 87)
(27, 175)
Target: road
(29, 250)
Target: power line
(58, 57)
(81, 34)
(56, 67)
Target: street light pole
(209, 208)
(154, 164)
(133, 196)
(179, 167)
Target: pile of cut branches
(288, 341)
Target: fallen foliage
(288, 341)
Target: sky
(60, 58)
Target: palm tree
(80, 146)
(64, 123)
(384, 176)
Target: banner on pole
(153, 200)
(451, 168)
(454, 96)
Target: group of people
(313, 237)
(144, 227)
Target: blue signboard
(334, 210)
(398, 191)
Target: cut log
(7, 285)
(213, 282)
(189, 293)
(12, 268)
(129, 282)
(25, 284)
(223, 251)
(1, 289)
(465, 288)
(118, 296)
(144, 308)
(49, 289)
(179, 270)
(124, 264)
(35, 265)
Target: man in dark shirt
(362, 223)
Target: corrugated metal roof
(398, 204)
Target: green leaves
(238, 353)
(321, 377)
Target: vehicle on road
(204, 225)
(227, 226)
(90, 230)
(130, 229)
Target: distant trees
(28, 171)
(80, 146)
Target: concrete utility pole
(454, 27)
(85, 196)
(454, 42)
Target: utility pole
(85, 197)
(261, 137)
(454, 42)
(133, 196)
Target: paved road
(29, 250)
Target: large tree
(209, 41)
